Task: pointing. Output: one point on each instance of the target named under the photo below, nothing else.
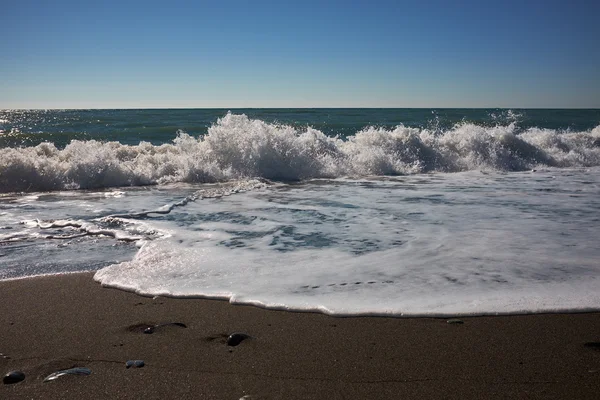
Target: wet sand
(53, 323)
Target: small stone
(70, 371)
(152, 329)
(13, 377)
(455, 321)
(236, 338)
(134, 364)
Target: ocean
(392, 212)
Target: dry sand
(52, 323)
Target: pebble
(134, 363)
(455, 321)
(149, 330)
(70, 371)
(236, 338)
(13, 377)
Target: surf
(238, 147)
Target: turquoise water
(31, 127)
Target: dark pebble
(151, 329)
(236, 338)
(13, 377)
(134, 363)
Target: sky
(302, 53)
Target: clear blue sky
(352, 53)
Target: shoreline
(55, 322)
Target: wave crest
(238, 147)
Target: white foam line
(226, 190)
(85, 228)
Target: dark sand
(52, 323)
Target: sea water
(346, 212)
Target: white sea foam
(441, 244)
(59, 232)
(237, 147)
(362, 225)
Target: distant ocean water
(343, 211)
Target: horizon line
(293, 108)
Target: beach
(57, 322)
(300, 200)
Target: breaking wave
(237, 147)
